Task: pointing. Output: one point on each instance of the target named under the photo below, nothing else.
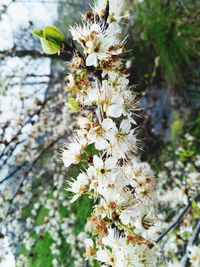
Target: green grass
(40, 255)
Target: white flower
(72, 154)
(115, 12)
(96, 50)
(137, 212)
(194, 255)
(143, 256)
(103, 46)
(81, 33)
(114, 195)
(101, 133)
(89, 248)
(171, 245)
(114, 258)
(123, 141)
(113, 103)
(103, 168)
(79, 186)
(93, 96)
(117, 81)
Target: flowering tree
(28, 134)
(123, 221)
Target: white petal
(75, 197)
(110, 163)
(138, 224)
(91, 60)
(67, 158)
(125, 126)
(114, 111)
(91, 171)
(103, 255)
(101, 143)
(75, 148)
(125, 218)
(82, 178)
(91, 136)
(93, 95)
(96, 28)
(98, 162)
(89, 242)
(107, 124)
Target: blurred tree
(34, 123)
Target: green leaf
(38, 33)
(49, 47)
(51, 39)
(73, 104)
(54, 34)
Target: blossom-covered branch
(124, 221)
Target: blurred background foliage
(166, 34)
(163, 56)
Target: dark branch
(177, 220)
(32, 53)
(30, 169)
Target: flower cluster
(124, 218)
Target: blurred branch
(29, 120)
(30, 169)
(10, 175)
(178, 219)
(26, 83)
(9, 154)
(32, 53)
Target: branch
(32, 53)
(10, 152)
(177, 220)
(7, 147)
(30, 169)
(10, 175)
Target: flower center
(102, 171)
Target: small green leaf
(49, 47)
(51, 39)
(73, 104)
(54, 34)
(38, 33)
